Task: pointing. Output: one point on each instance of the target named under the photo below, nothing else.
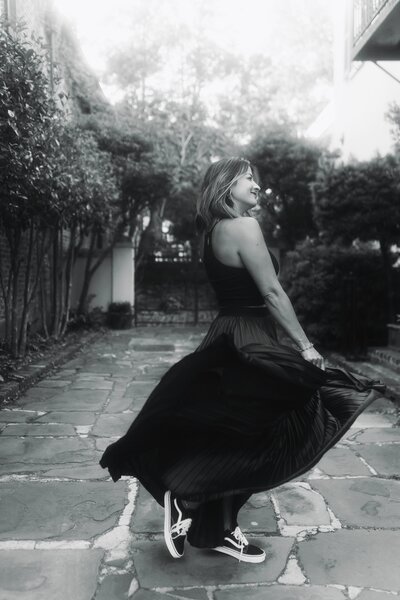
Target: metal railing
(364, 14)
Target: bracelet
(307, 348)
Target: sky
(242, 26)
(237, 23)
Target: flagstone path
(67, 532)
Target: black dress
(242, 414)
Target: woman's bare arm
(256, 258)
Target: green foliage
(393, 116)
(287, 166)
(171, 304)
(84, 181)
(186, 132)
(181, 141)
(28, 119)
(331, 290)
(181, 211)
(145, 184)
(52, 171)
(53, 178)
(120, 307)
(117, 135)
(172, 58)
(360, 200)
(119, 315)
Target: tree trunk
(87, 276)
(91, 267)
(4, 293)
(41, 249)
(15, 267)
(78, 245)
(68, 280)
(153, 232)
(56, 280)
(26, 303)
(195, 260)
(42, 252)
(43, 305)
(61, 289)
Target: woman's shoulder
(243, 226)
(241, 223)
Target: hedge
(339, 295)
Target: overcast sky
(246, 27)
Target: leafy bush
(287, 165)
(361, 201)
(119, 315)
(338, 294)
(120, 307)
(56, 187)
(171, 304)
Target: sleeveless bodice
(233, 286)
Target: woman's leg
(227, 508)
(227, 513)
(212, 518)
(189, 505)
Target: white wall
(123, 273)
(101, 284)
(355, 120)
(113, 281)
(361, 123)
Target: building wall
(362, 128)
(355, 121)
(100, 289)
(113, 281)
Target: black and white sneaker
(175, 525)
(236, 545)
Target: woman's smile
(245, 190)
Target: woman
(243, 413)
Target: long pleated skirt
(244, 413)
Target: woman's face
(244, 192)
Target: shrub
(119, 315)
(120, 307)
(361, 201)
(171, 304)
(338, 294)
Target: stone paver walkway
(67, 532)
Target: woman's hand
(314, 357)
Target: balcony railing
(365, 13)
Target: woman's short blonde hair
(214, 201)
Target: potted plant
(119, 315)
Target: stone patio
(67, 532)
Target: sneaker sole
(167, 526)
(244, 557)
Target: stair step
(394, 334)
(385, 356)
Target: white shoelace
(238, 535)
(181, 527)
